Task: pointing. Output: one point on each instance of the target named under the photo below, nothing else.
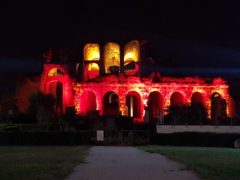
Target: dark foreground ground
(39, 163)
(208, 163)
(58, 162)
(117, 163)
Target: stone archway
(133, 104)
(177, 99)
(110, 104)
(55, 88)
(218, 107)
(177, 112)
(198, 112)
(197, 98)
(155, 105)
(88, 102)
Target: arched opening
(131, 57)
(133, 104)
(177, 99)
(198, 112)
(55, 72)
(87, 102)
(218, 107)
(155, 106)
(112, 58)
(91, 52)
(91, 71)
(110, 104)
(197, 98)
(59, 97)
(56, 89)
(131, 52)
(177, 112)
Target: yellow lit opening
(93, 67)
(55, 72)
(111, 55)
(91, 52)
(131, 52)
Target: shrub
(46, 138)
(195, 139)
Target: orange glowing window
(131, 52)
(55, 72)
(91, 52)
(93, 67)
(111, 56)
(91, 71)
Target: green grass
(37, 163)
(209, 163)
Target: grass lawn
(36, 163)
(209, 163)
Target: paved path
(128, 163)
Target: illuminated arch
(55, 88)
(133, 104)
(93, 67)
(91, 52)
(198, 108)
(88, 102)
(177, 99)
(110, 103)
(131, 57)
(91, 71)
(55, 72)
(111, 57)
(155, 104)
(131, 52)
(218, 107)
(197, 98)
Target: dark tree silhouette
(197, 114)
(194, 114)
(42, 108)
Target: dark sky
(184, 37)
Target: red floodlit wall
(53, 74)
(89, 96)
(26, 89)
(186, 87)
(134, 95)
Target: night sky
(184, 37)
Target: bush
(195, 139)
(22, 118)
(46, 138)
(124, 123)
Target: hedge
(89, 138)
(195, 139)
(46, 138)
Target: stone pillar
(208, 104)
(208, 107)
(122, 105)
(166, 102)
(229, 105)
(77, 97)
(99, 100)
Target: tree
(42, 108)
(177, 115)
(198, 113)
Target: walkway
(123, 163)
